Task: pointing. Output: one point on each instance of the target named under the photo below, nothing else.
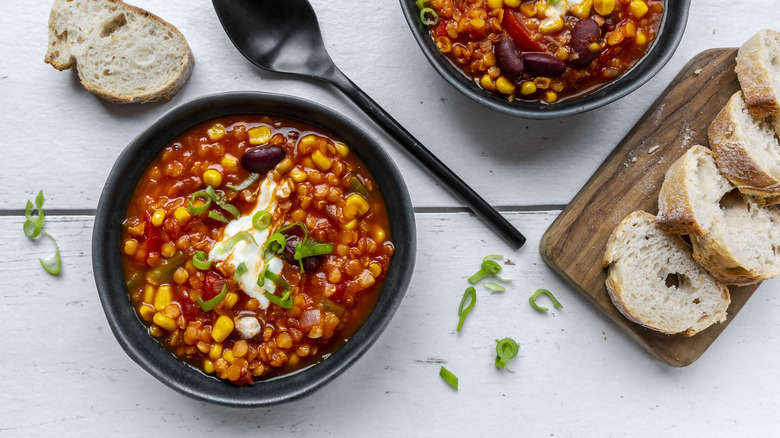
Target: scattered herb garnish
(532, 300)
(240, 271)
(203, 196)
(305, 248)
(448, 377)
(33, 226)
(462, 313)
(506, 350)
(218, 217)
(246, 183)
(262, 220)
(495, 287)
(53, 264)
(212, 303)
(489, 266)
(285, 301)
(429, 17)
(200, 262)
(238, 237)
(220, 201)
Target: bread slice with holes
(654, 281)
(122, 53)
(758, 71)
(733, 236)
(747, 150)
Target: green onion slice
(532, 300)
(220, 201)
(495, 287)
(309, 248)
(238, 237)
(285, 301)
(429, 17)
(246, 183)
(506, 350)
(218, 217)
(203, 196)
(274, 245)
(240, 271)
(200, 262)
(488, 266)
(421, 3)
(463, 312)
(262, 220)
(212, 303)
(33, 224)
(448, 377)
(277, 280)
(53, 264)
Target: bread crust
(754, 71)
(675, 206)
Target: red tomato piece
(152, 236)
(520, 34)
(212, 286)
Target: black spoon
(284, 36)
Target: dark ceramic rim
(669, 36)
(133, 336)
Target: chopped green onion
(495, 287)
(202, 195)
(488, 267)
(240, 271)
(421, 3)
(309, 248)
(53, 264)
(33, 224)
(506, 350)
(553, 2)
(218, 217)
(285, 301)
(277, 280)
(472, 293)
(296, 224)
(262, 220)
(448, 377)
(200, 262)
(429, 17)
(220, 201)
(212, 303)
(532, 300)
(274, 245)
(238, 237)
(246, 183)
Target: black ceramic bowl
(662, 49)
(131, 332)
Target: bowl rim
(663, 48)
(132, 334)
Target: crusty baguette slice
(746, 150)
(654, 281)
(689, 196)
(758, 71)
(123, 54)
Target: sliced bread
(758, 71)
(654, 281)
(122, 53)
(746, 150)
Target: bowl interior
(663, 47)
(131, 333)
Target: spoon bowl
(284, 36)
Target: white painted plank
(577, 373)
(59, 138)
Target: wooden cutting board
(629, 180)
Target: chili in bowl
(547, 58)
(249, 247)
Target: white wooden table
(63, 373)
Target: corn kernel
(551, 25)
(582, 9)
(641, 38)
(216, 132)
(527, 88)
(505, 86)
(231, 299)
(351, 224)
(222, 328)
(215, 352)
(163, 321)
(158, 217)
(637, 8)
(604, 7)
(512, 3)
(182, 215)
(486, 82)
(283, 166)
(542, 83)
(229, 356)
(131, 246)
(378, 234)
(359, 202)
(163, 297)
(321, 161)
(298, 175)
(550, 96)
(528, 9)
(212, 177)
(149, 292)
(208, 366)
(146, 312)
(477, 23)
(307, 142)
(259, 135)
(229, 163)
(495, 4)
(594, 47)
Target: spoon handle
(458, 187)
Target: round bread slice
(122, 53)
(654, 281)
(758, 71)
(746, 150)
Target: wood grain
(629, 180)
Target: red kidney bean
(507, 59)
(584, 33)
(261, 159)
(543, 64)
